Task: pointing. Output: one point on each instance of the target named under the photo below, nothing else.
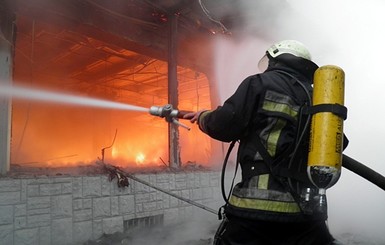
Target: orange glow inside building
(54, 134)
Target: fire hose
(171, 115)
(123, 182)
(347, 162)
(363, 171)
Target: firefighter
(266, 108)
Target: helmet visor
(263, 63)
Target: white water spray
(40, 95)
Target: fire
(140, 157)
(54, 134)
(49, 136)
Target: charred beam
(173, 133)
(6, 63)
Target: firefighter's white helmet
(293, 47)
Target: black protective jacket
(265, 107)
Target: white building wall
(74, 209)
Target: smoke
(337, 32)
(198, 230)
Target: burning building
(70, 56)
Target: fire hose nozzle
(169, 113)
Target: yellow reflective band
(265, 205)
(274, 136)
(278, 107)
(263, 181)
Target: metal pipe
(115, 169)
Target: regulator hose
(363, 171)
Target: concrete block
(164, 186)
(114, 206)
(214, 179)
(172, 181)
(20, 210)
(162, 178)
(66, 188)
(8, 198)
(217, 194)
(45, 235)
(128, 217)
(181, 184)
(77, 204)
(6, 234)
(126, 204)
(20, 222)
(62, 231)
(6, 215)
(62, 179)
(142, 197)
(174, 202)
(27, 236)
(181, 177)
(204, 180)
(23, 191)
(97, 229)
(32, 190)
(61, 206)
(39, 211)
(159, 205)
(197, 194)
(92, 187)
(38, 202)
(193, 180)
(207, 193)
(10, 185)
(106, 186)
(39, 180)
(140, 188)
(82, 232)
(39, 220)
(153, 196)
(50, 189)
(185, 194)
(77, 187)
(102, 207)
(112, 225)
(152, 180)
(165, 199)
(87, 203)
(82, 215)
(138, 208)
(149, 206)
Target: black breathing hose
(363, 171)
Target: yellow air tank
(326, 134)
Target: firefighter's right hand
(193, 116)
